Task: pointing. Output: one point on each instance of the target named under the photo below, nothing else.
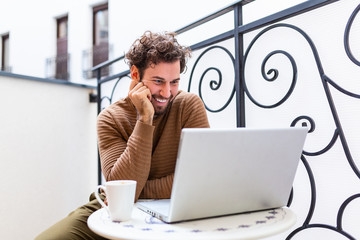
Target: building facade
(65, 39)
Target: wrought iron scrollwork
(111, 97)
(338, 132)
(312, 129)
(272, 71)
(272, 75)
(214, 84)
(347, 33)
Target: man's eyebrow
(163, 79)
(157, 77)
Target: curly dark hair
(153, 48)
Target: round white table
(143, 226)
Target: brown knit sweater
(130, 149)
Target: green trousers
(74, 226)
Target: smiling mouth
(161, 100)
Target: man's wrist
(146, 119)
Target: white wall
(48, 154)
(32, 28)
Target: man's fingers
(148, 93)
(143, 92)
(132, 84)
(140, 91)
(136, 87)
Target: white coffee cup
(120, 196)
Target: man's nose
(165, 91)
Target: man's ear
(135, 75)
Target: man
(139, 135)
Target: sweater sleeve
(194, 113)
(123, 158)
(159, 188)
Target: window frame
(4, 51)
(97, 9)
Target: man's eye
(174, 82)
(158, 82)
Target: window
(62, 49)
(5, 53)
(100, 36)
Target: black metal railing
(94, 56)
(6, 68)
(242, 94)
(58, 67)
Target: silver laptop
(227, 171)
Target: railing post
(98, 78)
(239, 60)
